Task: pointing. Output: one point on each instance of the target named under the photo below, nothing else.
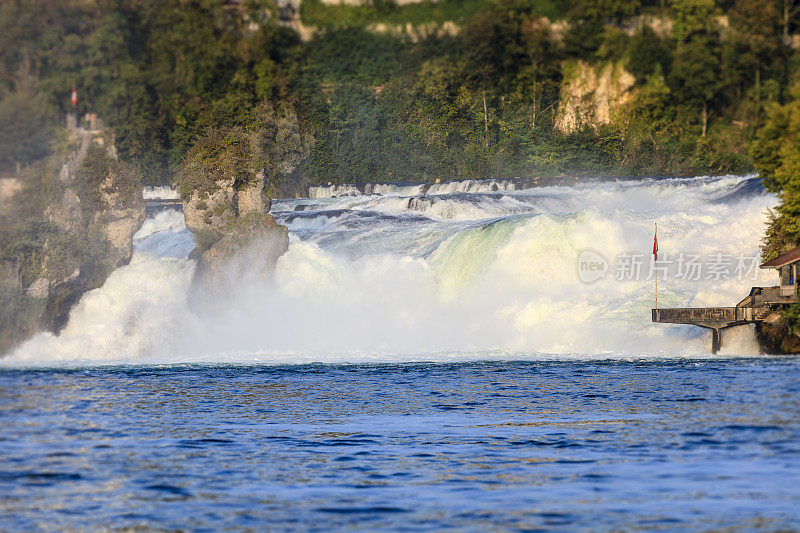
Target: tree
(539, 79)
(26, 129)
(648, 52)
(755, 25)
(789, 11)
(696, 69)
(282, 149)
(776, 155)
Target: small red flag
(655, 245)
(74, 96)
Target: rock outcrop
(70, 225)
(776, 335)
(249, 246)
(591, 95)
(122, 214)
(208, 212)
(226, 207)
(98, 213)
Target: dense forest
(426, 90)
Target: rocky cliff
(226, 208)
(70, 224)
(591, 95)
(777, 335)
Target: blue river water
(551, 445)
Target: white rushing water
(160, 193)
(447, 276)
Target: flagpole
(655, 260)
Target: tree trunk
(705, 118)
(758, 88)
(786, 22)
(485, 122)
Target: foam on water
(400, 189)
(160, 193)
(164, 235)
(385, 279)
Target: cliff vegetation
(67, 228)
(410, 91)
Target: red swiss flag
(655, 245)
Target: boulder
(249, 247)
(39, 288)
(226, 206)
(251, 197)
(206, 211)
(776, 335)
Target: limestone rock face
(204, 212)
(776, 336)
(223, 189)
(94, 205)
(590, 95)
(96, 213)
(122, 217)
(8, 188)
(66, 213)
(235, 235)
(251, 198)
(39, 288)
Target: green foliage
(352, 55)
(776, 154)
(696, 67)
(778, 236)
(316, 13)
(282, 150)
(649, 54)
(390, 92)
(26, 129)
(127, 182)
(90, 176)
(792, 315)
(216, 157)
(775, 149)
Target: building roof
(792, 256)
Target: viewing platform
(754, 308)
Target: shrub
(216, 157)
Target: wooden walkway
(752, 309)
